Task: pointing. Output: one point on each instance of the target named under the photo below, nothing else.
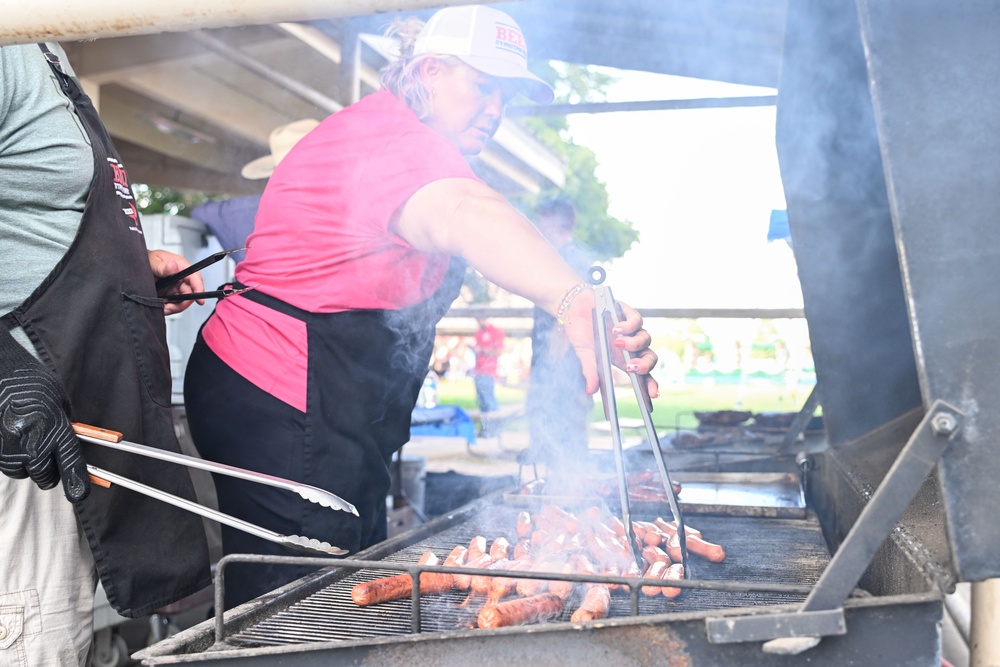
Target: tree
(608, 236)
(166, 200)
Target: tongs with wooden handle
(606, 317)
(113, 439)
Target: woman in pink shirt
(359, 248)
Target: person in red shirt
(488, 346)
(359, 247)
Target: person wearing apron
(96, 332)
(358, 249)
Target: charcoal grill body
(890, 154)
(312, 621)
(889, 145)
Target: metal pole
(984, 647)
(71, 20)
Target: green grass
(674, 407)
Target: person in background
(557, 404)
(359, 248)
(231, 220)
(488, 346)
(83, 338)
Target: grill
(330, 615)
(772, 564)
(892, 207)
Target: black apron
(366, 368)
(96, 322)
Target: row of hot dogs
(555, 541)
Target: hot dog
(555, 544)
(612, 570)
(481, 583)
(539, 537)
(675, 572)
(523, 527)
(640, 528)
(457, 557)
(500, 548)
(563, 520)
(520, 611)
(401, 585)
(699, 547)
(593, 514)
(670, 527)
(653, 555)
(463, 581)
(504, 586)
(578, 564)
(596, 604)
(477, 547)
(522, 550)
(655, 571)
(616, 525)
(529, 587)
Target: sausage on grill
(521, 611)
(401, 585)
(523, 527)
(464, 581)
(675, 572)
(482, 583)
(655, 571)
(500, 548)
(596, 604)
(713, 553)
(477, 547)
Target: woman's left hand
(628, 334)
(163, 264)
(632, 337)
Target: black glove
(36, 438)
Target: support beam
(70, 20)
(651, 105)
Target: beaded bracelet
(567, 299)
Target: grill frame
(679, 633)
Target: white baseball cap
(485, 39)
(281, 141)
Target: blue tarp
(443, 420)
(778, 229)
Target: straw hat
(281, 141)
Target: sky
(699, 185)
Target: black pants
(234, 422)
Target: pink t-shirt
(321, 239)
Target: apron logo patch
(119, 178)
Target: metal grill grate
(759, 551)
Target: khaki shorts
(48, 583)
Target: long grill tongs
(606, 317)
(113, 440)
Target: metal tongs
(168, 281)
(606, 317)
(113, 439)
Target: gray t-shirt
(46, 167)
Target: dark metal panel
(916, 556)
(934, 69)
(841, 225)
